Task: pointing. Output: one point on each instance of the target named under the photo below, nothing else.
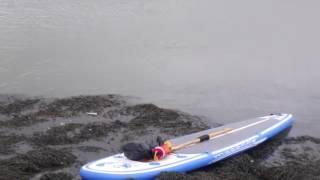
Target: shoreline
(50, 138)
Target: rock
(56, 176)
(27, 165)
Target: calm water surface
(224, 60)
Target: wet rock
(7, 142)
(90, 149)
(299, 139)
(168, 121)
(74, 133)
(18, 106)
(58, 135)
(142, 109)
(26, 165)
(309, 171)
(80, 104)
(176, 176)
(23, 120)
(57, 176)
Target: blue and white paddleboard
(244, 135)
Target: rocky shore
(50, 139)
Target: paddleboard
(242, 136)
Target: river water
(227, 61)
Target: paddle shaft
(200, 139)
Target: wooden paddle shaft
(200, 139)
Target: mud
(48, 139)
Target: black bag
(137, 152)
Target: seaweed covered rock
(168, 121)
(17, 106)
(74, 133)
(23, 120)
(7, 141)
(80, 104)
(26, 165)
(56, 176)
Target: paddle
(166, 148)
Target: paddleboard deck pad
(242, 136)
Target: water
(224, 60)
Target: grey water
(224, 60)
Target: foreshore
(51, 138)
